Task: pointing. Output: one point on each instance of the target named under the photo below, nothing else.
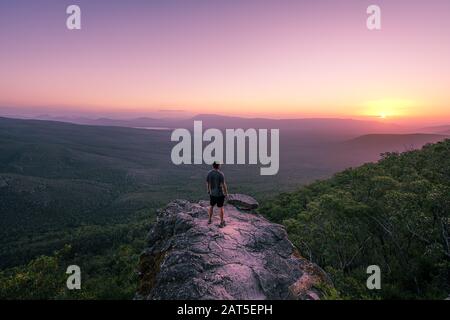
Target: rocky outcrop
(250, 258)
(242, 201)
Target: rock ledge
(251, 258)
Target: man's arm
(224, 185)
(225, 188)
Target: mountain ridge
(223, 121)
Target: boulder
(242, 201)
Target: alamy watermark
(374, 280)
(250, 146)
(374, 19)
(73, 21)
(74, 280)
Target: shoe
(209, 221)
(222, 224)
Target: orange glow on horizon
(391, 108)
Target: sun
(386, 108)
(383, 115)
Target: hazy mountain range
(437, 129)
(222, 121)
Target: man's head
(216, 166)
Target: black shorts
(216, 200)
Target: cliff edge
(250, 258)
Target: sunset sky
(243, 57)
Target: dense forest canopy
(394, 213)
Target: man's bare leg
(210, 213)
(222, 211)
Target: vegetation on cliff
(394, 213)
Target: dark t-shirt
(215, 179)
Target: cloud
(172, 110)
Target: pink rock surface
(250, 258)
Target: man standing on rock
(217, 190)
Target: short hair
(216, 165)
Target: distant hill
(395, 142)
(335, 126)
(130, 123)
(445, 129)
(370, 147)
